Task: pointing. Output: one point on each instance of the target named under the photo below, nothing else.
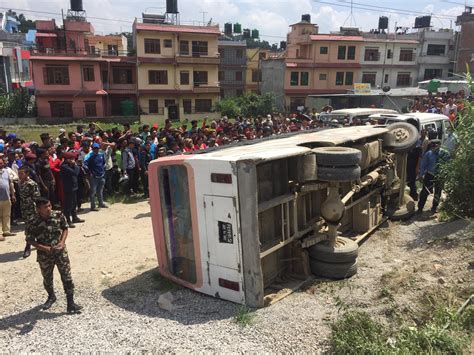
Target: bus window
(177, 224)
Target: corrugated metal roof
(181, 29)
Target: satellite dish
(386, 88)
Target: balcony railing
(79, 52)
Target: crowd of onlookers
(89, 163)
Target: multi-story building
(178, 70)
(232, 69)
(389, 60)
(73, 80)
(436, 54)
(319, 63)
(464, 51)
(253, 76)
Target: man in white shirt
(450, 108)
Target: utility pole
(203, 17)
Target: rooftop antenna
(203, 17)
(350, 17)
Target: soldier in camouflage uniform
(29, 192)
(47, 232)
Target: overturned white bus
(250, 223)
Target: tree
(247, 105)
(25, 24)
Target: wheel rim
(401, 135)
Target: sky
(270, 17)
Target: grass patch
(244, 316)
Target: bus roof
(291, 145)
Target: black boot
(49, 302)
(72, 308)
(27, 251)
(76, 219)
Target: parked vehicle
(361, 114)
(250, 223)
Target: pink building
(73, 80)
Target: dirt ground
(114, 268)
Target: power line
(375, 8)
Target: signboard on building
(362, 89)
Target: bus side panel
(248, 206)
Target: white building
(436, 57)
(389, 60)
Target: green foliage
(358, 333)
(16, 104)
(457, 173)
(248, 105)
(244, 316)
(25, 24)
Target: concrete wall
(273, 78)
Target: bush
(16, 104)
(457, 173)
(249, 105)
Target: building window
(152, 46)
(371, 55)
(169, 102)
(183, 47)
(369, 78)
(56, 75)
(323, 77)
(436, 49)
(389, 54)
(167, 43)
(256, 75)
(296, 102)
(239, 53)
(340, 78)
(221, 52)
(294, 77)
(203, 105)
(403, 79)
(112, 49)
(187, 106)
(199, 48)
(184, 78)
(351, 52)
(341, 52)
(304, 78)
(153, 106)
(158, 77)
(385, 80)
(200, 78)
(61, 108)
(406, 55)
(433, 74)
(238, 76)
(90, 108)
(221, 75)
(122, 75)
(349, 78)
(88, 73)
(323, 50)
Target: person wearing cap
(7, 196)
(61, 135)
(69, 173)
(427, 175)
(95, 164)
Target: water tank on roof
(228, 29)
(246, 33)
(306, 18)
(383, 22)
(423, 22)
(237, 28)
(76, 5)
(172, 6)
(255, 33)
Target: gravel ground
(114, 269)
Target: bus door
(223, 246)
